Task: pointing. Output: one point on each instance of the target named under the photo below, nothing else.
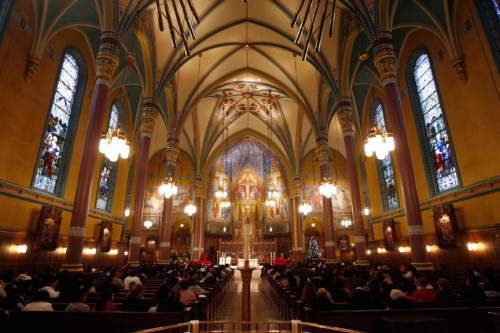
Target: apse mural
(246, 174)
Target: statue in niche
(313, 248)
(105, 236)
(390, 235)
(446, 226)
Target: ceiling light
(379, 143)
(305, 207)
(148, 224)
(327, 188)
(190, 209)
(168, 188)
(114, 145)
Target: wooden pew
(85, 322)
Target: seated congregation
(177, 293)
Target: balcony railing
(272, 326)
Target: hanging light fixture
(148, 224)
(114, 145)
(190, 208)
(179, 29)
(379, 143)
(327, 188)
(366, 211)
(168, 188)
(346, 222)
(312, 29)
(305, 207)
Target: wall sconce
(61, 250)
(20, 248)
(368, 252)
(476, 246)
(125, 253)
(182, 225)
(127, 212)
(89, 250)
(148, 224)
(366, 211)
(404, 249)
(270, 229)
(224, 229)
(431, 248)
(313, 225)
(113, 252)
(381, 250)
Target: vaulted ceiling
(243, 52)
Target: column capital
(385, 58)
(150, 110)
(107, 59)
(345, 115)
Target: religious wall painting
(445, 222)
(390, 234)
(312, 194)
(343, 243)
(181, 199)
(277, 213)
(342, 200)
(48, 226)
(153, 204)
(105, 236)
(216, 213)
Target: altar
(252, 263)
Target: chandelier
(168, 188)
(148, 224)
(305, 207)
(221, 193)
(190, 209)
(114, 144)
(346, 222)
(327, 188)
(270, 202)
(225, 204)
(379, 143)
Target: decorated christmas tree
(313, 249)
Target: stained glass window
(385, 167)
(60, 124)
(5, 8)
(109, 169)
(489, 11)
(434, 131)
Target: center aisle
(261, 305)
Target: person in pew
(195, 287)
(323, 301)
(132, 277)
(170, 302)
(473, 291)
(78, 304)
(339, 292)
(423, 293)
(135, 301)
(187, 297)
(308, 294)
(445, 293)
(399, 300)
(106, 302)
(361, 295)
(210, 278)
(50, 286)
(40, 302)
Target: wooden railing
(294, 326)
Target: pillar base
(362, 262)
(163, 262)
(72, 267)
(334, 261)
(423, 266)
(133, 263)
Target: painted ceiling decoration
(212, 47)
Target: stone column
(345, 116)
(386, 62)
(166, 218)
(323, 153)
(150, 111)
(298, 245)
(197, 220)
(106, 63)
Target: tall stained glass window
(433, 129)
(107, 177)
(385, 167)
(489, 11)
(61, 124)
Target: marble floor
(261, 304)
